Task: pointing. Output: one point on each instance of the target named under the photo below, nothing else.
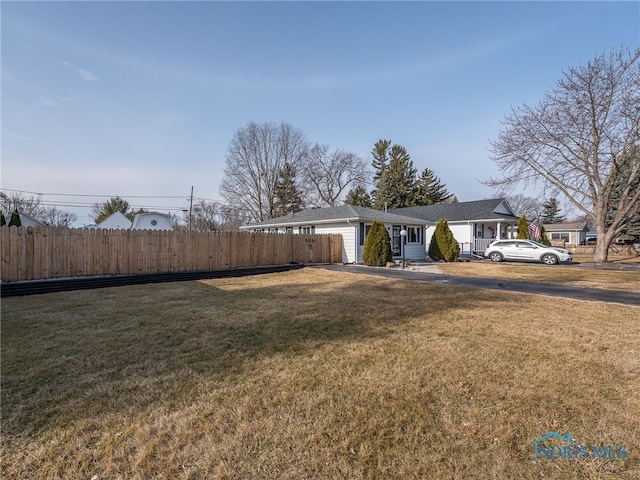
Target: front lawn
(574, 275)
(314, 374)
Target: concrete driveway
(428, 273)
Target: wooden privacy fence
(29, 253)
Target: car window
(505, 244)
(525, 245)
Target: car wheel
(549, 259)
(495, 257)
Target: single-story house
(116, 221)
(573, 233)
(141, 221)
(26, 220)
(151, 221)
(353, 223)
(474, 224)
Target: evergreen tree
(3, 221)
(523, 229)
(115, 204)
(626, 187)
(15, 219)
(395, 180)
(443, 244)
(430, 190)
(543, 237)
(396, 185)
(551, 212)
(358, 197)
(377, 246)
(380, 161)
(288, 197)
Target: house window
(414, 234)
(364, 231)
(307, 230)
(560, 236)
(289, 230)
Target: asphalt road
(576, 293)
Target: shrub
(443, 244)
(523, 229)
(377, 246)
(15, 219)
(543, 237)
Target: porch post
(498, 231)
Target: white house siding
(348, 238)
(415, 251)
(151, 221)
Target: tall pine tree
(288, 196)
(430, 190)
(551, 212)
(358, 197)
(396, 182)
(627, 186)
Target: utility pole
(190, 207)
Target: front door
(396, 244)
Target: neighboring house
(353, 223)
(151, 221)
(27, 220)
(574, 233)
(474, 224)
(115, 221)
(142, 221)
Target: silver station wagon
(526, 251)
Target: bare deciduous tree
(523, 205)
(578, 140)
(16, 201)
(204, 216)
(328, 175)
(32, 206)
(53, 217)
(254, 159)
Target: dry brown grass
(557, 274)
(313, 374)
(613, 259)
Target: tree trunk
(602, 251)
(603, 241)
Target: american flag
(535, 231)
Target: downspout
(356, 242)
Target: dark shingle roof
(343, 212)
(556, 227)
(461, 211)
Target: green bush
(15, 220)
(443, 244)
(377, 246)
(543, 237)
(523, 229)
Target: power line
(184, 197)
(86, 195)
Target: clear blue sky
(142, 98)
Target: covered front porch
(481, 234)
